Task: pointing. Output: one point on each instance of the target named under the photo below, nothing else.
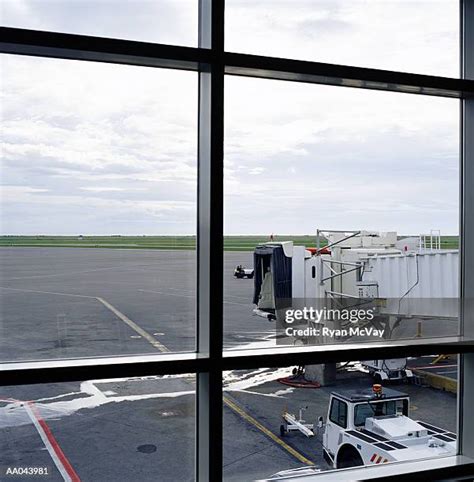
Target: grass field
(231, 243)
(450, 242)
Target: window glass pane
(121, 429)
(378, 174)
(98, 213)
(162, 21)
(420, 37)
(338, 413)
(278, 419)
(387, 408)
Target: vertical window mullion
(466, 371)
(209, 436)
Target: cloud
(421, 37)
(164, 21)
(104, 148)
(15, 192)
(339, 158)
(103, 189)
(118, 140)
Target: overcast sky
(93, 148)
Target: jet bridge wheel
(348, 456)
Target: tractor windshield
(379, 409)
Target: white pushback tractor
(372, 426)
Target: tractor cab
(372, 412)
(358, 408)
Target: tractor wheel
(347, 457)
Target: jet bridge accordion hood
(272, 257)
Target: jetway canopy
(271, 258)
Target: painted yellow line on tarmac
(435, 380)
(151, 339)
(154, 342)
(267, 432)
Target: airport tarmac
(64, 302)
(266, 401)
(143, 429)
(445, 366)
(100, 302)
(104, 302)
(140, 430)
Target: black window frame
(213, 63)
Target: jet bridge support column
(323, 374)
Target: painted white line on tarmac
(225, 296)
(59, 459)
(55, 275)
(189, 296)
(57, 410)
(167, 294)
(152, 340)
(48, 292)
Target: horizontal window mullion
(82, 47)
(280, 357)
(345, 76)
(84, 369)
(408, 471)
(26, 373)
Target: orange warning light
(377, 389)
